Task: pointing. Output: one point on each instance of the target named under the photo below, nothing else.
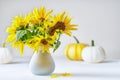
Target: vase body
(41, 64)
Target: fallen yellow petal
(54, 76)
(66, 74)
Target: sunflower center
(42, 19)
(52, 31)
(60, 25)
(43, 41)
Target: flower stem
(3, 45)
(92, 43)
(76, 39)
(59, 34)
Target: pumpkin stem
(92, 42)
(76, 39)
(3, 45)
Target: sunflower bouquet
(39, 29)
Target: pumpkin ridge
(76, 54)
(67, 51)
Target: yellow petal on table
(66, 74)
(54, 76)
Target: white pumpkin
(5, 55)
(93, 54)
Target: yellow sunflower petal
(45, 48)
(68, 33)
(62, 16)
(11, 37)
(72, 25)
(67, 20)
(21, 48)
(35, 11)
(43, 12)
(73, 28)
(49, 13)
(11, 30)
(54, 76)
(27, 18)
(66, 74)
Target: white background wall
(97, 19)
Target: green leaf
(20, 34)
(57, 44)
(20, 28)
(23, 35)
(28, 36)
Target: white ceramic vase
(5, 56)
(41, 63)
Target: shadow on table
(111, 61)
(93, 75)
(18, 62)
(96, 75)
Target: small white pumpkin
(5, 55)
(93, 54)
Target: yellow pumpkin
(74, 51)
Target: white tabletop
(18, 70)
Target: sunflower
(62, 22)
(40, 15)
(12, 38)
(39, 29)
(44, 42)
(19, 21)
